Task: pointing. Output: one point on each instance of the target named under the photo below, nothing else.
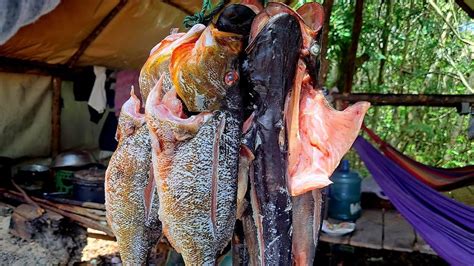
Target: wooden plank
(369, 229)
(344, 240)
(398, 233)
(421, 246)
(463, 195)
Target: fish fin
(248, 123)
(317, 216)
(149, 193)
(257, 216)
(246, 158)
(215, 171)
(312, 15)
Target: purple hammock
(446, 225)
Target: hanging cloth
(441, 179)
(446, 225)
(98, 97)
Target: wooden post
(328, 4)
(438, 100)
(95, 33)
(56, 117)
(351, 56)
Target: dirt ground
(15, 251)
(98, 252)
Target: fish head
(203, 72)
(157, 63)
(166, 119)
(310, 17)
(130, 117)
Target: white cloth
(98, 99)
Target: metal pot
(88, 185)
(73, 159)
(32, 177)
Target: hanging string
(201, 17)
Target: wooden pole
(56, 117)
(351, 55)
(95, 33)
(13, 65)
(438, 100)
(328, 4)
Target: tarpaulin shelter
(61, 39)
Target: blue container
(344, 194)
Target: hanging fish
(131, 200)
(269, 71)
(195, 158)
(294, 152)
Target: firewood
(85, 221)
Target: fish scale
(126, 179)
(186, 203)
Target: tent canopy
(123, 43)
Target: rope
(201, 17)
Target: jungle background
(409, 46)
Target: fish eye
(231, 77)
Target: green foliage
(424, 55)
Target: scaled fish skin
(198, 185)
(131, 198)
(195, 158)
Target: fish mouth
(165, 115)
(132, 106)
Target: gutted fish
(130, 196)
(195, 158)
(196, 174)
(269, 71)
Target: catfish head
(309, 15)
(203, 71)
